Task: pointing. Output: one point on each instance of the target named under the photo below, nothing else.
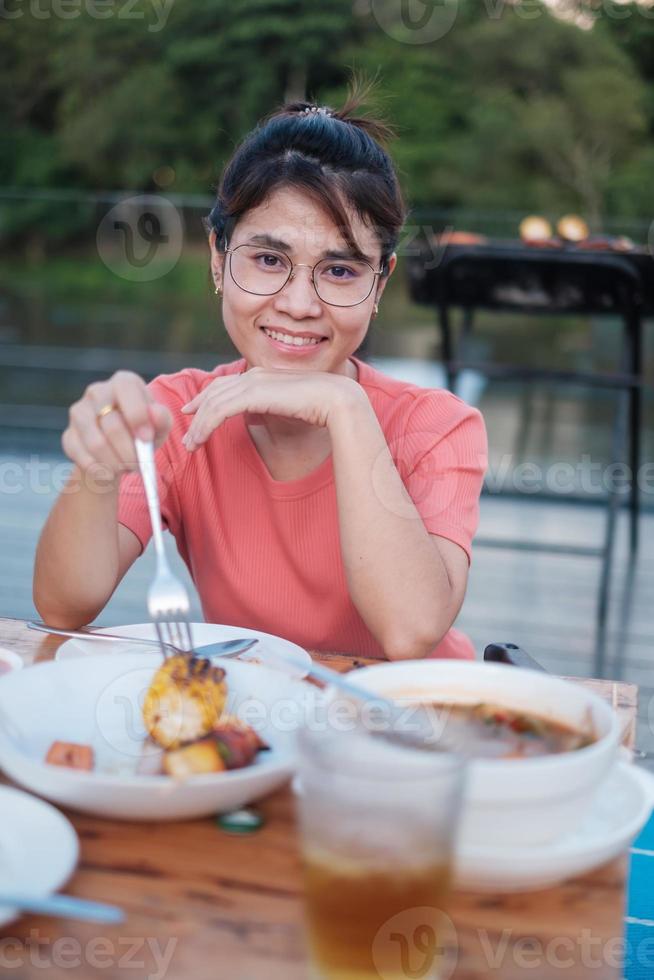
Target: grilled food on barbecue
(534, 229)
(184, 701)
(572, 228)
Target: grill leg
(613, 506)
(635, 421)
(447, 348)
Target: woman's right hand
(96, 438)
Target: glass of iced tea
(378, 824)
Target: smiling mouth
(292, 339)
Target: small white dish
(9, 660)
(202, 633)
(620, 810)
(38, 847)
(97, 701)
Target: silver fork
(168, 602)
(220, 648)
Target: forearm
(77, 558)
(396, 576)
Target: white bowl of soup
(539, 746)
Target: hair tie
(318, 109)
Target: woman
(310, 495)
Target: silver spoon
(63, 906)
(414, 725)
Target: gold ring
(110, 407)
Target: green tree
(117, 100)
(584, 135)
(511, 108)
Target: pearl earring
(375, 311)
(218, 290)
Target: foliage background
(518, 106)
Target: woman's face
(309, 235)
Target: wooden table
(202, 905)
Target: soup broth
(490, 731)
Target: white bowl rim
(538, 763)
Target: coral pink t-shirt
(265, 554)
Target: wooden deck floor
(545, 603)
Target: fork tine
(163, 627)
(189, 634)
(177, 635)
(160, 636)
(175, 630)
(170, 633)
(180, 635)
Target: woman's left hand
(308, 396)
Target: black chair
(509, 653)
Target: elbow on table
(63, 622)
(412, 645)
(62, 619)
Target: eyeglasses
(265, 272)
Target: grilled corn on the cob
(184, 701)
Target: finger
(133, 398)
(75, 450)
(191, 406)
(99, 394)
(85, 423)
(212, 413)
(217, 385)
(89, 468)
(119, 438)
(207, 418)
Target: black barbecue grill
(513, 277)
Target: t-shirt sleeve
(132, 505)
(442, 461)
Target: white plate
(620, 811)
(38, 847)
(97, 700)
(202, 633)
